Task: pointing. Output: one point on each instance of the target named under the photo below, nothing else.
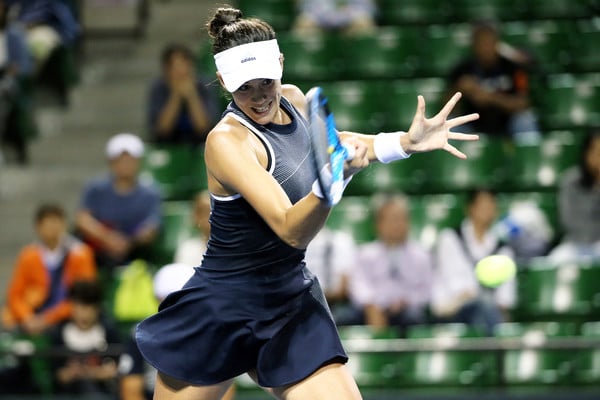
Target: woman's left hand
(426, 134)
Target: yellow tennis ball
(494, 270)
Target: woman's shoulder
(294, 95)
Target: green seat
(539, 166)
(536, 366)
(177, 170)
(389, 52)
(443, 46)
(414, 12)
(446, 367)
(486, 166)
(406, 176)
(498, 10)
(570, 100)
(371, 369)
(544, 9)
(401, 100)
(353, 214)
(548, 41)
(587, 370)
(278, 13)
(429, 214)
(584, 45)
(313, 58)
(356, 105)
(176, 227)
(566, 292)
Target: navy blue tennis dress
(252, 304)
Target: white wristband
(387, 147)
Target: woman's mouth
(263, 109)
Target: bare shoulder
(295, 96)
(227, 133)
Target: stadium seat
(544, 9)
(446, 367)
(414, 12)
(389, 52)
(584, 45)
(587, 370)
(405, 176)
(443, 46)
(354, 215)
(431, 213)
(565, 292)
(484, 167)
(570, 100)
(278, 13)
(539, 166)
(401, 102)
(314, 58)
(535, 365)
(498, 10)
(176, 227)
(177, 170)
(548, 42)
(356, 105)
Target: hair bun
(223, 17)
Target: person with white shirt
(392, 283)
(457, 294)
(331, 256)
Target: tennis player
(252, 305)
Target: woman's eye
(267, 82)
(243, 88)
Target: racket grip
(350, 152)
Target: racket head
(328, 154)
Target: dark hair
(487, 26)
(228, 29)
(474, 193)
(46, 210)
(587, 179)
(88, 292)
(175, 48)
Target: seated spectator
(119, 216)
(191, 251)
(182, 107)
(348, 16)
(457, 294)
(579, 205)
(392, 282)
(331, 256)
(496, 87)
(85, 337)
(137, 377)
(16, 68)
(44, 273)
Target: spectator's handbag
(134, 296)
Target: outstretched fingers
(462, 136)
(449, 106)
(463, 119)
(454, 151)
(420, 113)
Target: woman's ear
(281, 59)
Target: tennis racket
(328, 153)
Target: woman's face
(483, 210)
(259, 99)
(592, 158)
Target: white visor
(240, 64)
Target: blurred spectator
(496, 87)
(579, 205)
(119, 216)
(191, 251)
(49, 24)
(16, 68)
(85, 337)
(182, 108)
(457, 294)
(349, 16)
(44, 272)
(137, 377)
(331, 256)
(392, 282)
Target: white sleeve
(362, 291)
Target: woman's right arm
(234, 167)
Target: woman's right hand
(360, 159)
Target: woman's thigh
(332, 381)
(168, 388)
